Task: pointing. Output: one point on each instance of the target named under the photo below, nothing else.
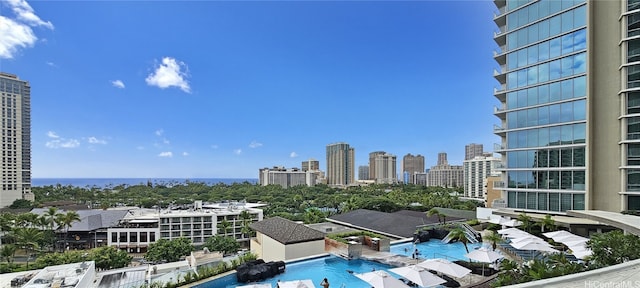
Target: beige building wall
(492, 192)
(268, 249)
(604, 154)
(304, 249)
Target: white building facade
(476, 171)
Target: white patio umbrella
(570, 238)
(381, 279)
(256, 286)
(533, 245)
(446, 267)
(530, 238)
(512, 223)
(484, 255)
(511, 230)
(575, 242)
(419, 275)
(555, 234)
(306, 283)
(581, 253)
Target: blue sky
(220, 89)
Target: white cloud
(185, 154)
(118, 84)
(52, 134)
(237, 151)
(59, 142)
(159, 132)
(25, 13)
(255, 144)
(165, 154)
(62, 143)
(293, 155)
(214, 146)
(94, 140)
(51, 64)
(166, 141)
(170, 73)
(17, 33)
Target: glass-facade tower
(563, 111)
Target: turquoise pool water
(435, 249)
(335, 268)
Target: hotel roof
(286, 231)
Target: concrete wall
(304, 249)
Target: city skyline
(183, 92)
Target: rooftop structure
(80, 275)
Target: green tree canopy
(613, 248)
(226, 245)
(169, 250)
(109, 257)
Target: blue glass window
(567, 21)
(579, 111)
(579, 87)
(555, 93)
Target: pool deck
(401, 260)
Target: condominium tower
(411, 165)
(476, 172)
(570, 104)
(340, 164)
(472, 150)
(16, 139)
(382, 167)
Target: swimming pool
(435, 249)
(335, 268)
(331, 267)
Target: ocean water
(112, 182)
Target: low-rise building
(142, 227)
(280, 239)
(288, 177)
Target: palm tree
(224, 227)
(457, 234)
(494, 238)
(65, 220)
(434, 211)
(547, 222)
(28, 238)
(50, 216)
(526, 220)
(7, 252)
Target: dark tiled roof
(92, 219)
(286, 231)
(428, 220)
(398, 224)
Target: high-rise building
(569, 93)
(385, 167)
(411, 165)
(340, 164)
(311, 165)
(363, 172)
(442, 158)
(472, 150)
(372, 164)
(443, 174)
(287, 177)
(16, 139)
(476, 171)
